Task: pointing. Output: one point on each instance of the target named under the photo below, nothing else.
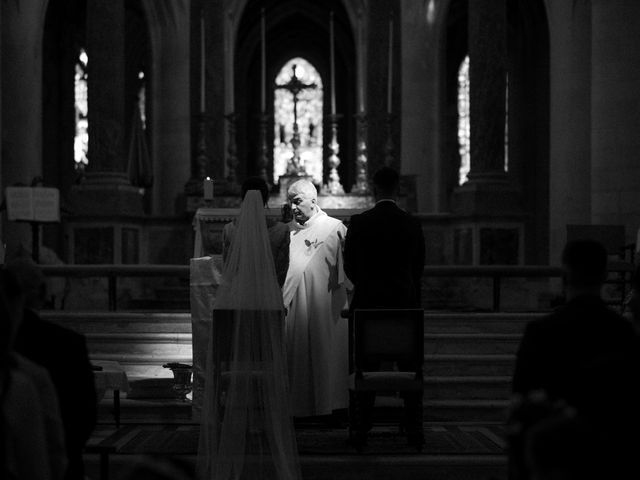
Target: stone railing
(497, 274)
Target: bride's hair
(256, 183)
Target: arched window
(81, 141)
(464, 123)
(309, 114)
(142, 99)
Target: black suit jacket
(384, 258)
(63, 353)
(589, 356)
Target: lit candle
(202, 62)
(208, 188)
(332, 66)
(390, 74)
(263, 64)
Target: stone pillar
(615, 116)
(22, 27)
(169, 102)
(570, 120)
(106, 189)
(488, 191)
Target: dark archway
(293, 28)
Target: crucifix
(295, 86)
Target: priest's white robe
(317, 337)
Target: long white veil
(247, 428)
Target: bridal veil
(247, 428)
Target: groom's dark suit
(384, 258)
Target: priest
(314, 295)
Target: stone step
(144, 365)
(435, 323)
(123, 322)
(465, 410)
(471, 343)
(468, 357)
(457, 364)
(176, 304)
(467, 388)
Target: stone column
(615, 74)
(570, 119)
(169, 102)
(22, 27)
(487, 191)
(106, 189)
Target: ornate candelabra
(362, 183)
(194, 185)
(263, 152)
(334, 186)
(232, 158)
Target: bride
(247, 428)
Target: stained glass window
(81, 141)
(464, 124)
(309, 111)
(142, 99)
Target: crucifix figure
(295, 86)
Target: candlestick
(263, 64)
(332, 66)
(208, 188)
(202, 63)
(390, 74)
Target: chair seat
(385, 381)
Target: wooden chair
(621, 262)
(387, 353)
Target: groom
(314, 294)
(384, 257)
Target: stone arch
(294, 28)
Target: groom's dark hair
(256, 183)
(386, 181)
(585, 263)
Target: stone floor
(453, 450)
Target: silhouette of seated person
(63, 353)
(32, 443)
(586, 355)
(632, 302)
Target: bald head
(303, 187)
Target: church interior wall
(22, 27)
(570, 118)
(170, 143)
(573, 104)
(214, 84)
(379, 13)
(615, 73)
(418, 108)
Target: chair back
(385, 335)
